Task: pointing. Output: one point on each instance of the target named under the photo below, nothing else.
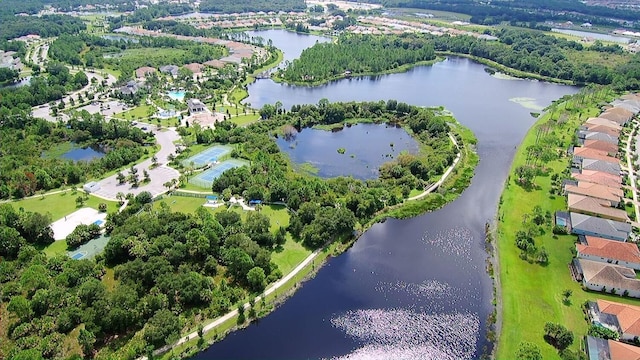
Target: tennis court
(205, 157)
(90, 249)
(205, 178)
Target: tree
(120, 197)
(80, 200)
(86, 339)
(557, 335)
(102, 207)
(163, 328)
(528, 351)
(146, 176)
(256, 279)
(121, 178)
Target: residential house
(592, 135)
(598, 177)
(597, 191)
(130, 88)
(609, 229)
(595, 207)
(617, 114)
(611, 149)
(144, 71)
(601, 128)
(215, 64)
(609, 251)
(600, 276)
(603, 121)
(623, 318)
(603, 349)
(170, 69)
(195, 68)
(581, 152)
(599, 165)
(632, 105)
(195, 106)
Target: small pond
(83, 154)
(366, 147)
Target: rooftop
(601, 145)
(617, 114)
(609, 275)
(622, 351)
(598, 177)
(599, 165)
(628, 315)
(610, 249)
(591, 153)
(592, 206)
(604, 122)
(603, 227)
(595, 191)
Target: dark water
(407, 289)
(83, 154)
(367, 146)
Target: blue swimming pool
(177, 94)
(98, 222)
(77, 256)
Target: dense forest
(45, 26)
(239, 6)
(323, 206)
(127, 56)
(24, 170)
(11, 7)
(167, 267)
(42, 88)
(359, 54)
(522, 11)
(524, 50)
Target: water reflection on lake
(83, 154)
(366, 147)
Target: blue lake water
(414, 288)
(367, 146)
(83, 154)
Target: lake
(290, 44)
(367, 146)
(415, 288)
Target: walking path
(443, 177)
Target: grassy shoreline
(530, 294)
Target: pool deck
(65, 226)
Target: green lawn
(60, 205)
(532, 293)
(243, 120)
(58, 247)
(290, 256)
(136, 113)
(181, 203)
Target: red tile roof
(598, 177)
(591, 153)
(628, 315)
(610, 249)
(622, 351)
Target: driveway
(109, 187)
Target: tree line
(358, 54)
(45, 26)
(24, 170)
(240, 6)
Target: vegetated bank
(523, 53)
(532, 260)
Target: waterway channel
(407, 289)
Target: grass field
(243, 120)
(532, 293)
(138, 112)
(60, 205)
(181, 203)
(291, 255)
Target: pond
(292, 44)
(366, 147)
(84, 154)
(415, 288)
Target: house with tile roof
(599, 165)
(598, 177)
(215, 64)
(595, 207)
(617, 114)
(170, 69)
(624, 318)
(609, 251)
(581, 224)
(611, 149)
(601, 128)
(597, 191)
(581, 152)
(606, 277)
(592, 135)
(144, 71)
(195, 68)
(603, 349)
(604, 122)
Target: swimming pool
(177, 94)
(98, 222)
(78, 256)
